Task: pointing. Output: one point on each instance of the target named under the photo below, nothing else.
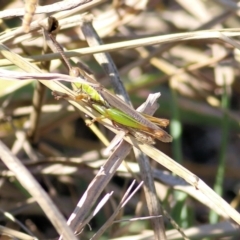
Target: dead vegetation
(55, 168)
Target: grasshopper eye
(74, 72)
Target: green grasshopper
(121, 114)
(143, 127)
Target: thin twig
(55, 7)
(127, 196)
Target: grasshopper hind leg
(142, 137)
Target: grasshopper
(143, 127)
